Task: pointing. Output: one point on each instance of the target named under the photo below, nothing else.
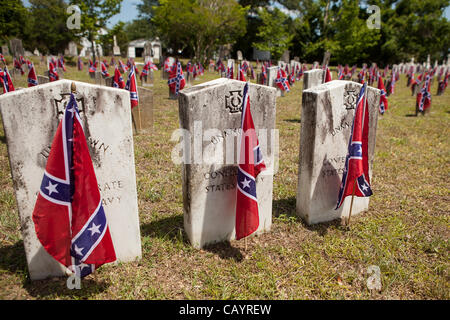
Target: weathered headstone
(60, 74)
(16, 47)
(240, 57)
(210, 119)
(116, 48)
(72, 49)
(43, 79)
(143, 113)
(313, 78)
(327, 117)
(261, 55)
(106, 117)
(285, 56)
(5, 50)
(164, 73)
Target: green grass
(405, 232)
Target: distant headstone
(261, 55)
(285, 56)
(326, 59)
(164, 73)
(43, 79)
(147, 49)
(36, 52)
(239, 55)
(5, 50)
(116, 48)
(143, 113)
(60, 74)
(131, 52)
(16, 47)
(327, 117)
(105, 113)
(72, 49)
(210, 119)
(313, 78)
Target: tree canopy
(197, 28)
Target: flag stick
(351, 203)
(245, 240)
(139, 115)
(134, 123)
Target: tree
(13, 17)
(48, 26)
(122, 39)
(273, 34)
(94, 16)
(201, 25)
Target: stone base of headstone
(327, 115)
(440, 89)
(60, 73)
(146, 81)
(164, 75)
(109, 81)
(313, 78)
(143, 113)
(173, 96)
(42, 79)
(99, 79)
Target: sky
(129, 12)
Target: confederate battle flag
(32, 79)
(356, 173)
(251, 164)
(176, 79)
(68, 215)
(132, 87)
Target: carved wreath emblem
(233, 102)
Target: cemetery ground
(405, 232)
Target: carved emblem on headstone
(350, 99)
(62, 103)
(234, 101)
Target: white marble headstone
(210, 118)
(313, 78)
(30, 119)
(327, 117)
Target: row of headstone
(210, 119)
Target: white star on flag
(51, 188)
(245, 183)
(94, 229)
(78, 250)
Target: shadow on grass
(225, 251)
(285, 210)
(410, 115)
(13, 259)
(293, 120)
(3, 139)
(170, 228)
(57, 288)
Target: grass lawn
(405, 232)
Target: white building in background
(136, 48)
